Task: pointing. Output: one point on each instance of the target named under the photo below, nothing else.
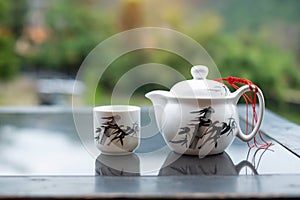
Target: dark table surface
(42, 155)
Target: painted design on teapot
(111, 128)
(204, 126)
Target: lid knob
(199, 72)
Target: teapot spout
(159, 99)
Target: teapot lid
(199, 86)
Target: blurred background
(43, 43)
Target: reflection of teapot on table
(113, 165)
(200, 116)
(220, 164)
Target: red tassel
(232, 81)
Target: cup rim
(116, 108)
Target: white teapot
(200, 116)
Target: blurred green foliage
(8, 30)
(245, 38)
(8, 59)
(271, 68)
(74, 28)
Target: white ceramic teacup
(117, 128)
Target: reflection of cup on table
(125, 165)
(117, 129)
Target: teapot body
(200, 116)
(199, 126)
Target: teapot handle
(237, 96)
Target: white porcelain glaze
(202, 120)
(116, 129)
